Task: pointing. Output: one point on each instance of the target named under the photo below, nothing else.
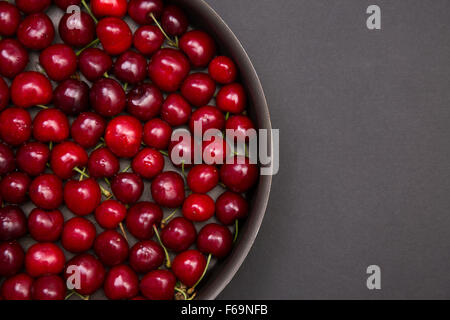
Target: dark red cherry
(87, 129)
(107, 97)
(46, 191)
(82, 197)
(202, 178)
(14, 187)
(103, 163)
(188, 266)
(141, 218)
(77, 29)
(36, 31)
(59, 61)
(238, 174)
(121, 283)
(174, 21)
(215, 150)
(90, 270)
(231, 98)
(31, 88)
(230, 206)
(179, 234)
(146, 256)
(16, 126)
(140, 10)
(168, 189)
(198, 88)
(144, 101)
(158, 285)
(198, 207)
(64, 4)
(209, 117)
(45, 226)
(157, 134)
(148, 163)
(65, 157)
(9, 19)
(110, 213)
(148, 39)
(105, 8)
(4, 94)
(111, 248)
(114, 34)
(11, 257)
(7, 163)
(215, 239)
(127, 187)
(17, 287)
(49, 288)
(181, 151)
(176, 110)
(78, 235)
(44, 259)
(93, 63)
(32, 6)
(13, 57)
(199, 47)
(242, 127)
(130, 67)
(32, 158)
(223, 70)
(50, 125)
(124, 136)
(168, 68)
(71, 96)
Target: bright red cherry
(46, 191)
(103, 163)
(45, 226)
(115, 35)
(4, 94)
(157, 134)
(148, 163)
(71, 96)
(49, 288)
(9, 19)
(59, 61)
(32, 158)
(144, 101)
(223, 70)
(17, 287)
(50, 125)
(82, 197)
(11, 257)
(93, 63)
(36, 31)
(188, 266)
(15, 126)
(44, 259)
(239, 175)
(148, 39)
(107, 97)
(168, 68)
(176, 110)
(179, 234)
(31, 88)
(215, 150)
(202, 178)
(230, 206)
(121, 283)
(124, 136)
(127, 187)
(13, 57)
(231, 98)
(64, 4)
(110, 213)
(77, 30)
(174, 21)
(87, 129)
(215, 239)
(32, 6)
(199, 47)
(91, 271)
(78, 235)
(130, 67)
(242, 127)
(14, 187)
(198, 207)
(146, 256)
(112, 8)
(7, 163)
(111, 248)
(198, 88)
(140, 10)
(142, 217)
(209, 117)
(168, 189)
(158, 285)
(65, 157)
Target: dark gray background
(365, 127)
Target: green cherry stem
(168, 263)
(126, 169)
(89, 11)
(123, 231)
(41, 106)
(236, 230)
(69, 295)
(182, 292)
(164, 153)
(105, 192)
(169, 40)
(191, 290)
(93, 43)
(165, 220)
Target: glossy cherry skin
(202, 178)
(168, 189)
(78, 235)
(31, 88)
(130, 67)
(87, 129)
(209, 117)
(45, 226)
(230, 206)
(157, 134)
(64, 4)
(44, 259)
(17, 287)
(82, 197)
(59, 61)
(179, 234)
(242, 126)
(176, 110)
(168, 68)
(174, 21)
(91, 271)
(188, 266)
(11, 257)
(93, 63)
(215, 239)
(148, 163)
(103, 163)
(148, 39)
(146, 256)
(7, 163)
(231, 98)
(46, 191)
(14, 187)
(140, 10)
(4, 94)
(32, 6)
(71, 96)
(198, 207)
(32, 158)
(111, 248)
(16, 126)
(215, 150)
(48, 288)
(113, 8)
(121, 283)
(199, 47)
(239, 177)
(110, 213)
(13, 58)
(13, 223)
(65, 157)
(142, 217)
(158, 285)
(144, 101)
(9, 19)
(198, 88)
(114, 34)
(107, 97)
(124, 136)
(50, 125)
(77, 30)
(127, 187)
(36, 31)
(222, 70)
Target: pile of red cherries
(101, 97)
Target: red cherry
(198, 207)
(188, 266)
(209, 117)
(146, 256)
(215, 151)
(174, 21)
(242, 127)
(9, 19)
(140, 10)
(114, 8)
(49, 288)
(168, 189)
(127, 187)
(110, 213)
(77, 30)
(157, 134)
(17, 287)
(114, 34)
(64, 4)
(130, 67)
(82, 197)
(111, 248)
(13, 57)
(36, 31)
(90, 270)
(13, 223)
(11, 257)
(202, 178)
(87, 129)
(144, 101)
(4, 92)
(93, 63)
(231, 98)
(46, 191)
(168, 68)
(45, 226)
(148, 163)
(103, 163)
(32, 158)
(32, 6)
(14, 187)
(239, 177)
(182, 151)
(198, 88)
(176, 110)
(121, 283)
(59, 61)
(31, 88)
(71, 96)
(141, 218)
(78, 235)
(158, 285)
(65, 157)
(223, 70)
(215, 239)
(15, 126)
(44, 259)
(124, 136)
(199, 47)
(107, 97)
(7, 163)
(230, 206)
(179, 234)
(50, 125)
(148, 39)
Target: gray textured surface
(365, 123)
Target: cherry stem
(227, 116)
(81, 296)
(168, 263)
(94, 42)
(101, 144)
(182, 169)
(164, 221)
(169, 40)
(89, 11)
(193, 296)
(69, 295)
(164, 153)
(125, 86)
(82, 175)
(107, 181)
(126, 169)
(191, 290)
(50, 145)
(41, 106)
(236, 230)
(106, 75)
(222, 185)
(105, 192)
(123, 231)
(182, 292)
